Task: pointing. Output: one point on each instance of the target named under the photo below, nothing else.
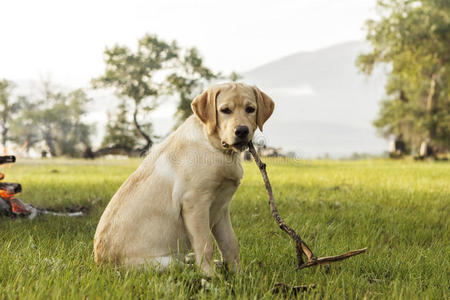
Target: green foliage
(9, 107)
(23, 128)
(73, 135)
(119, 130)
(57, 119)
(398, 209)
(188, 81)
(156, 68)
(412, 37)
(134, 74)
(234, 76)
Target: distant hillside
(323, 104)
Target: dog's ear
(204, 107)
(265, 107)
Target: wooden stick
(300, 246)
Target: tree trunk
(141, 132)
(49, 141)
(4, 135)
(431, 107)
(431, 91)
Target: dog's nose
(241, 131)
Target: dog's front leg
(196, 220)
(227, 242)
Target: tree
(188, 81)
(71, 134)
(133, 75)
(8, 107)
(234, 76)
(23, 128)
(119, 131)
(412, 37)
(55, 118)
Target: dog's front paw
(219, 264)
(189, 259)
(207, 269)
(230, 267)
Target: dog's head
(231, 113)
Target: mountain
(323, 105)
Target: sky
(65, 40)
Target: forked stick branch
(300, 246)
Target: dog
(181, 192)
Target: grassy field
(399, 210)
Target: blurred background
(351, 78)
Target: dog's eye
(226, 111)
(249, 109)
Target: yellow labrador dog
(181, 192)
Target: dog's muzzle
(238, 146)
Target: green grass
(398, 209)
